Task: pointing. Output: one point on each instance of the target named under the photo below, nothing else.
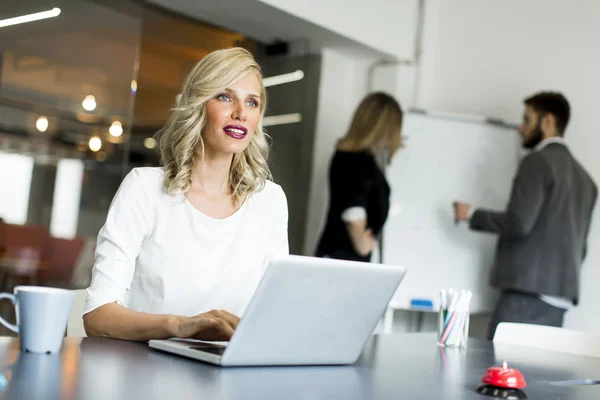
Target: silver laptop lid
(310, 311)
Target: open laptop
(305, 311)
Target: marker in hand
(454, 205)
(461, 211)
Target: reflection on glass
(82, 60)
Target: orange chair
(62, 258)
(24, 251)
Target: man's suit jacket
(543, 232)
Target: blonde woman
(359, 192)
(185, 245)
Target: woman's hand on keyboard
(215, 325)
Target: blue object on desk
(421, 303)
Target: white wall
(343, 85)
(385, 25)
(484, 57)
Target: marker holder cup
(453, 318)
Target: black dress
(355, 180)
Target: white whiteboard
(446, 160)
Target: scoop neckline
(233, 216)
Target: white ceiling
(267, 24)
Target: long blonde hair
(376, 125)
(179, 139)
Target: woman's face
(232, 117)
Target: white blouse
(158, 254)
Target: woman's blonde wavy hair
(179, 139)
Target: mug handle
(12, 298)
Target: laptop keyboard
(210, 348)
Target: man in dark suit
(543, 231)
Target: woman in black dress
(359, 192)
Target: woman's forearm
(115, 321)
(362, 239)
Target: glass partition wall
(84, 85)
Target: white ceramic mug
(42, 315)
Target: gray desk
(408, 366)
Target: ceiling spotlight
(95, 143)
(41, 124)
(116, 129)
(89, 103)
(150, 143)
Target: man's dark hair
(551, 103)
